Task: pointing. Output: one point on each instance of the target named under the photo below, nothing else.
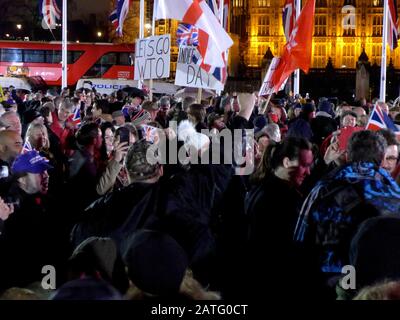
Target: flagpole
(221, 20)
(64, 66)
(382, 91)
(141, 33)
(153, 30)
(296, 76)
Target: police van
(108, 86)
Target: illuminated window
(348, 56)
(376, 54)
(263, 26)
(377, 3)
(320, 26)
(319, 56)
(377, 25)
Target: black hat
(156, 262)
(31, 115)
(134, 92)
(100, 255)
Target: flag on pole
(380, 120)
(297, 51)
(289, 17)
(118, 16)
(213, 39)
(51, 13)
(114, 18)
(393, 24)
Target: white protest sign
(152, 57)
(189, 74)
(267, 87)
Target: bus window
(109, 59)
(124, 59)
(73, 56)
(34, 56)
(11, 55)
(53, 56)
(102, 65)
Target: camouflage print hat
(136, 162)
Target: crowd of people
(79, 193)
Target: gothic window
(319, 56)
(263, 26)
(320, 25)
(348, 56)
(377, 25)
(321, 4)
(377, 3)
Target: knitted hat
(156, 262)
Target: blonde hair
(386, 290)
(190, 288)
(29, 134)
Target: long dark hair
(276, 152)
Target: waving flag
(187, 35)
(50, 12)
(75, 118)
(393, 24)
(213, 39)
(118, 16)
(297, 51)
(380, 120)
(289, 17)
(27, 147)
(114, 18)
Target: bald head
(10, 145)
(11, 121)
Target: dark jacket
(300, 128)
(25, 243)
(322, 126)
(273, 259)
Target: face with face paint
(300, 168)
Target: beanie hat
(156, 262)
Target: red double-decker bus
(85, 60)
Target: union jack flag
(118, 16)
(51, 12)
(75, 118)
(289, 17)
(380, 120)
(187, 35)
(27, 147)
(393, 33)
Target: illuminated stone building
(342, 28)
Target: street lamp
(19, 26)
(99, 34)
(148, 27)
(7, 35)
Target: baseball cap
(31, 162)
